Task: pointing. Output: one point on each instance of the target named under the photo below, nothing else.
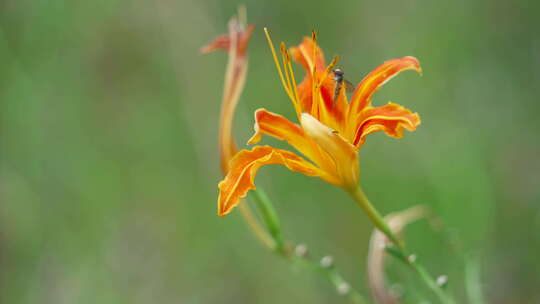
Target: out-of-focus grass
(108, 155)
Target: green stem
(270, 218)
(374, 215)
(422, 272)
(426, 277)
(401, 253)
(332, 274)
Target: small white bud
(343, 289)
(327, 262)
(442, 280)
(301, 250)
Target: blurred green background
(109, 162)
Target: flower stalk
(331, 273)
(399, 251)
(271, 219)
(378, 252)
(430, 282)
(283, 248)
(374, 215)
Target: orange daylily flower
(332, 128)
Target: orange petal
(244, 167)
(305, 93)
(391, 118)
(303, 54)
(281, 128)
(374, 80)
(223, 42)
(342, 152)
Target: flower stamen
(294, 87)
(287, 88)
(314, 83)
(285, 68)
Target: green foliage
(109, 162)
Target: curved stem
(399, 251)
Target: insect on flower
(332, 128)
(339, 78)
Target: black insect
(340, 81)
